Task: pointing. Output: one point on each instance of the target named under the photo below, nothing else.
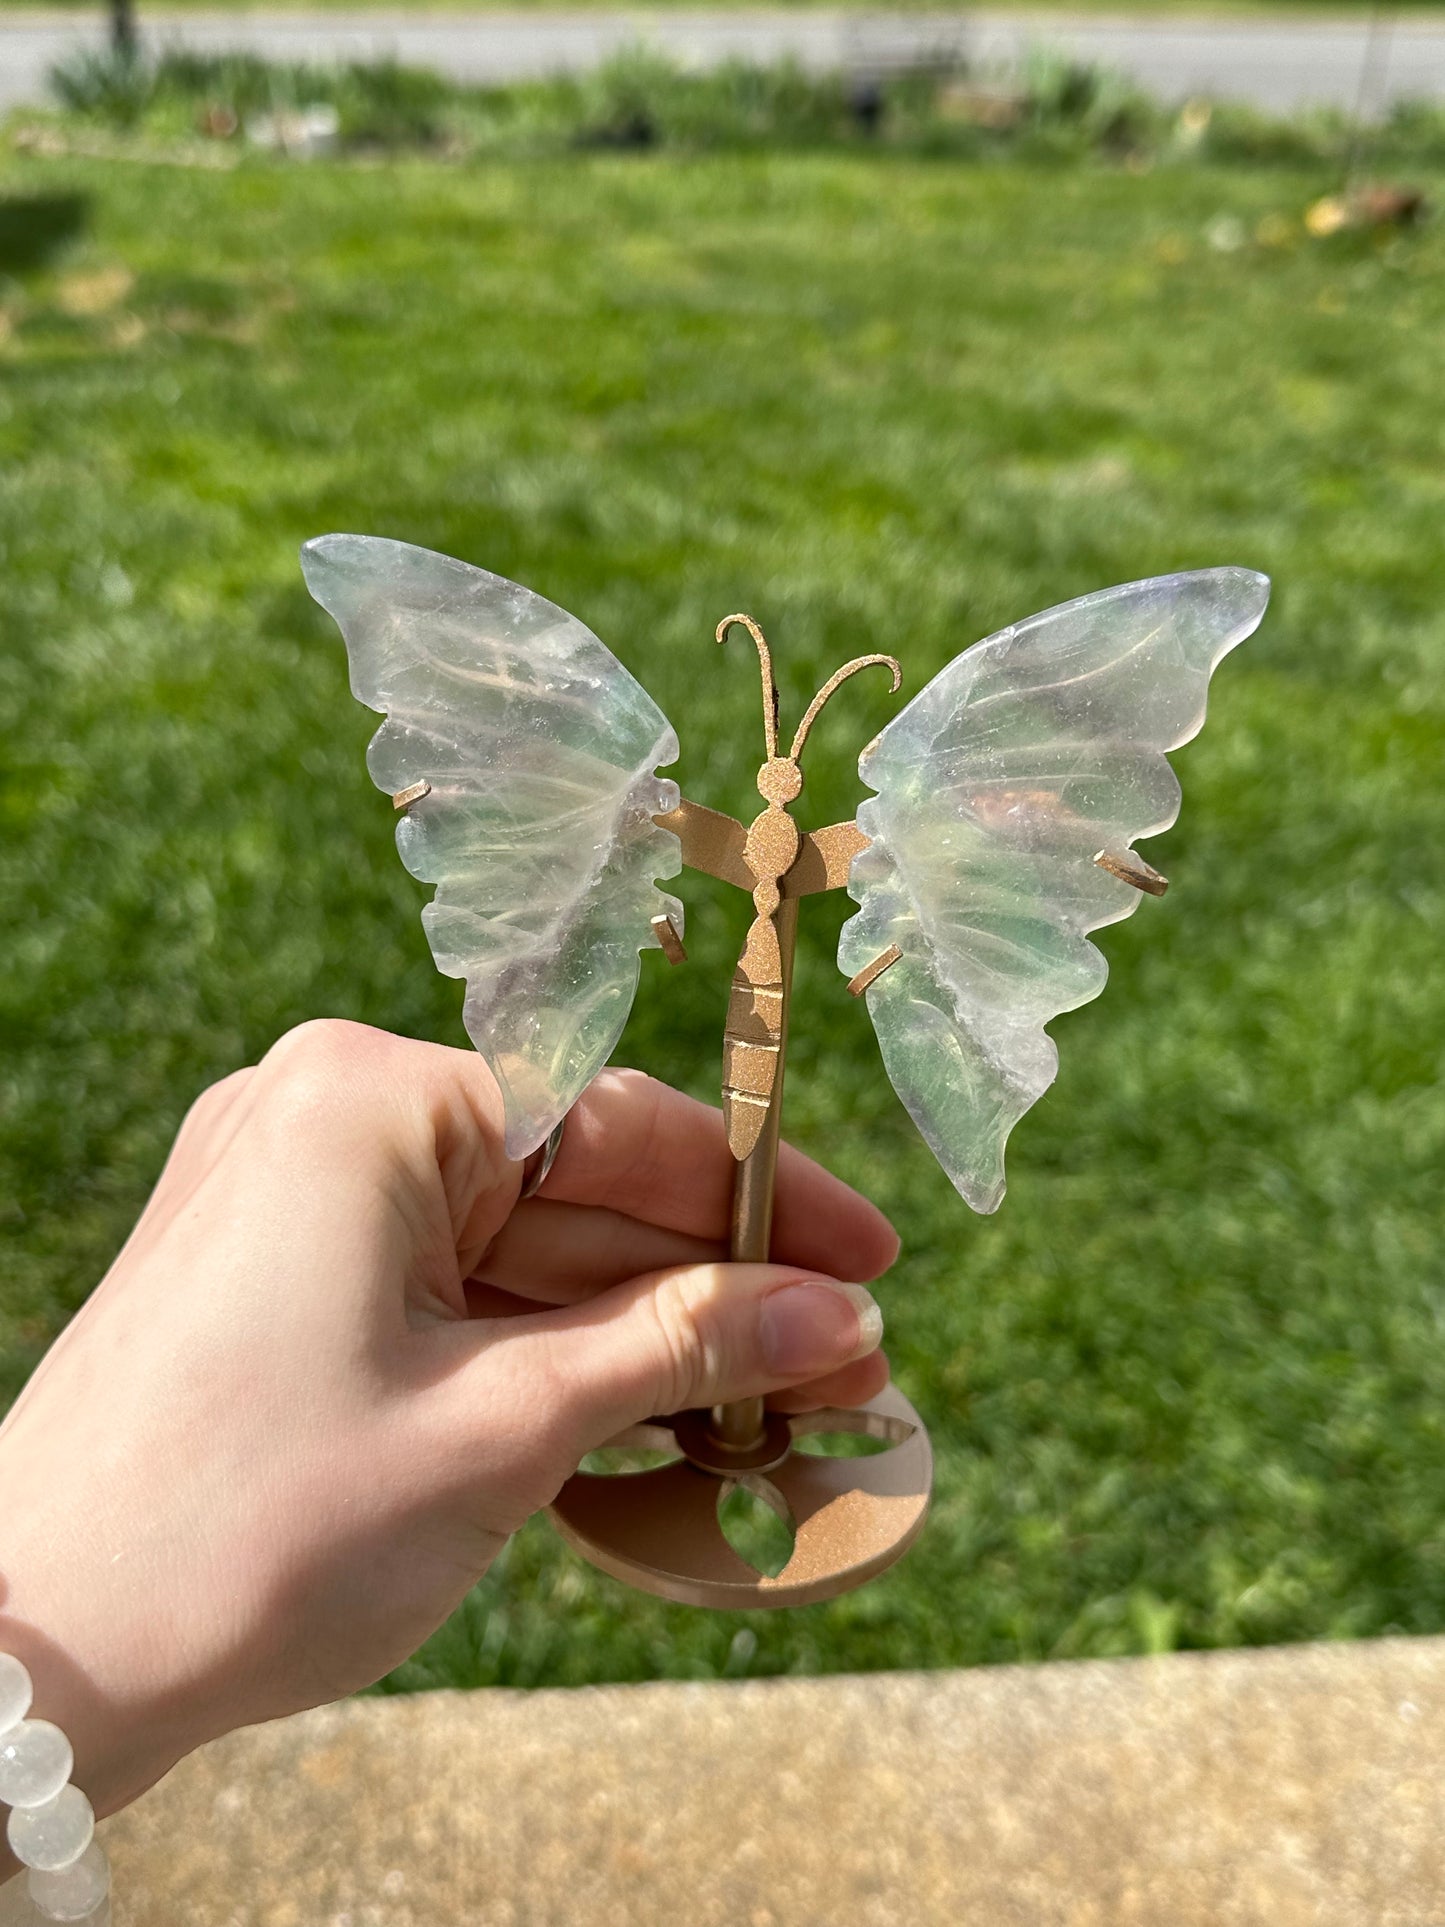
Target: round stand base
(852, 1518)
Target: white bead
(15, 1692)
(55, 1835)
(78, 1891)
(26, 1914)
(35, 1763)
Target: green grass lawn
(1188, 1387)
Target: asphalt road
(1275, 64)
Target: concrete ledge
(1286, 1787)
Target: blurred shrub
(382, 105)
(1238, 133)
(1054, 107)
(1416, 131)
(111, 86)
(1078, 106)
(642, 99)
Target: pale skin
(337, 1363)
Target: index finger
(636, 1146)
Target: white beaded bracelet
(52, 1824)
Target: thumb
(689, 1336)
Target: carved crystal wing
(997, 787)
(540, 750)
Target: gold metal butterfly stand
(524, 758)
(851, 1517)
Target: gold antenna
(770, 691)
(834, 683)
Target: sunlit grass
(1187, 1387)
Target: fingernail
(815, 1328)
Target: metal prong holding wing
(998, 789)
(523, 756)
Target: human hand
(337, 1363)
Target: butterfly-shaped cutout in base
(1007, 798)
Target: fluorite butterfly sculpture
(1033, 760)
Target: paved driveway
(1274, 64)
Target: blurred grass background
(1188, 1387)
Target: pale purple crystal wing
(541, 752)
(997, 787)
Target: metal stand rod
(741, 1424)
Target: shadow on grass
(35, 228)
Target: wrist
(70, 1614)
(119, 1742)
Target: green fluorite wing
(996, 788)
(540, 750)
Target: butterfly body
(753, 1040)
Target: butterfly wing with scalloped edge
(996, 788)
(541, 752)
